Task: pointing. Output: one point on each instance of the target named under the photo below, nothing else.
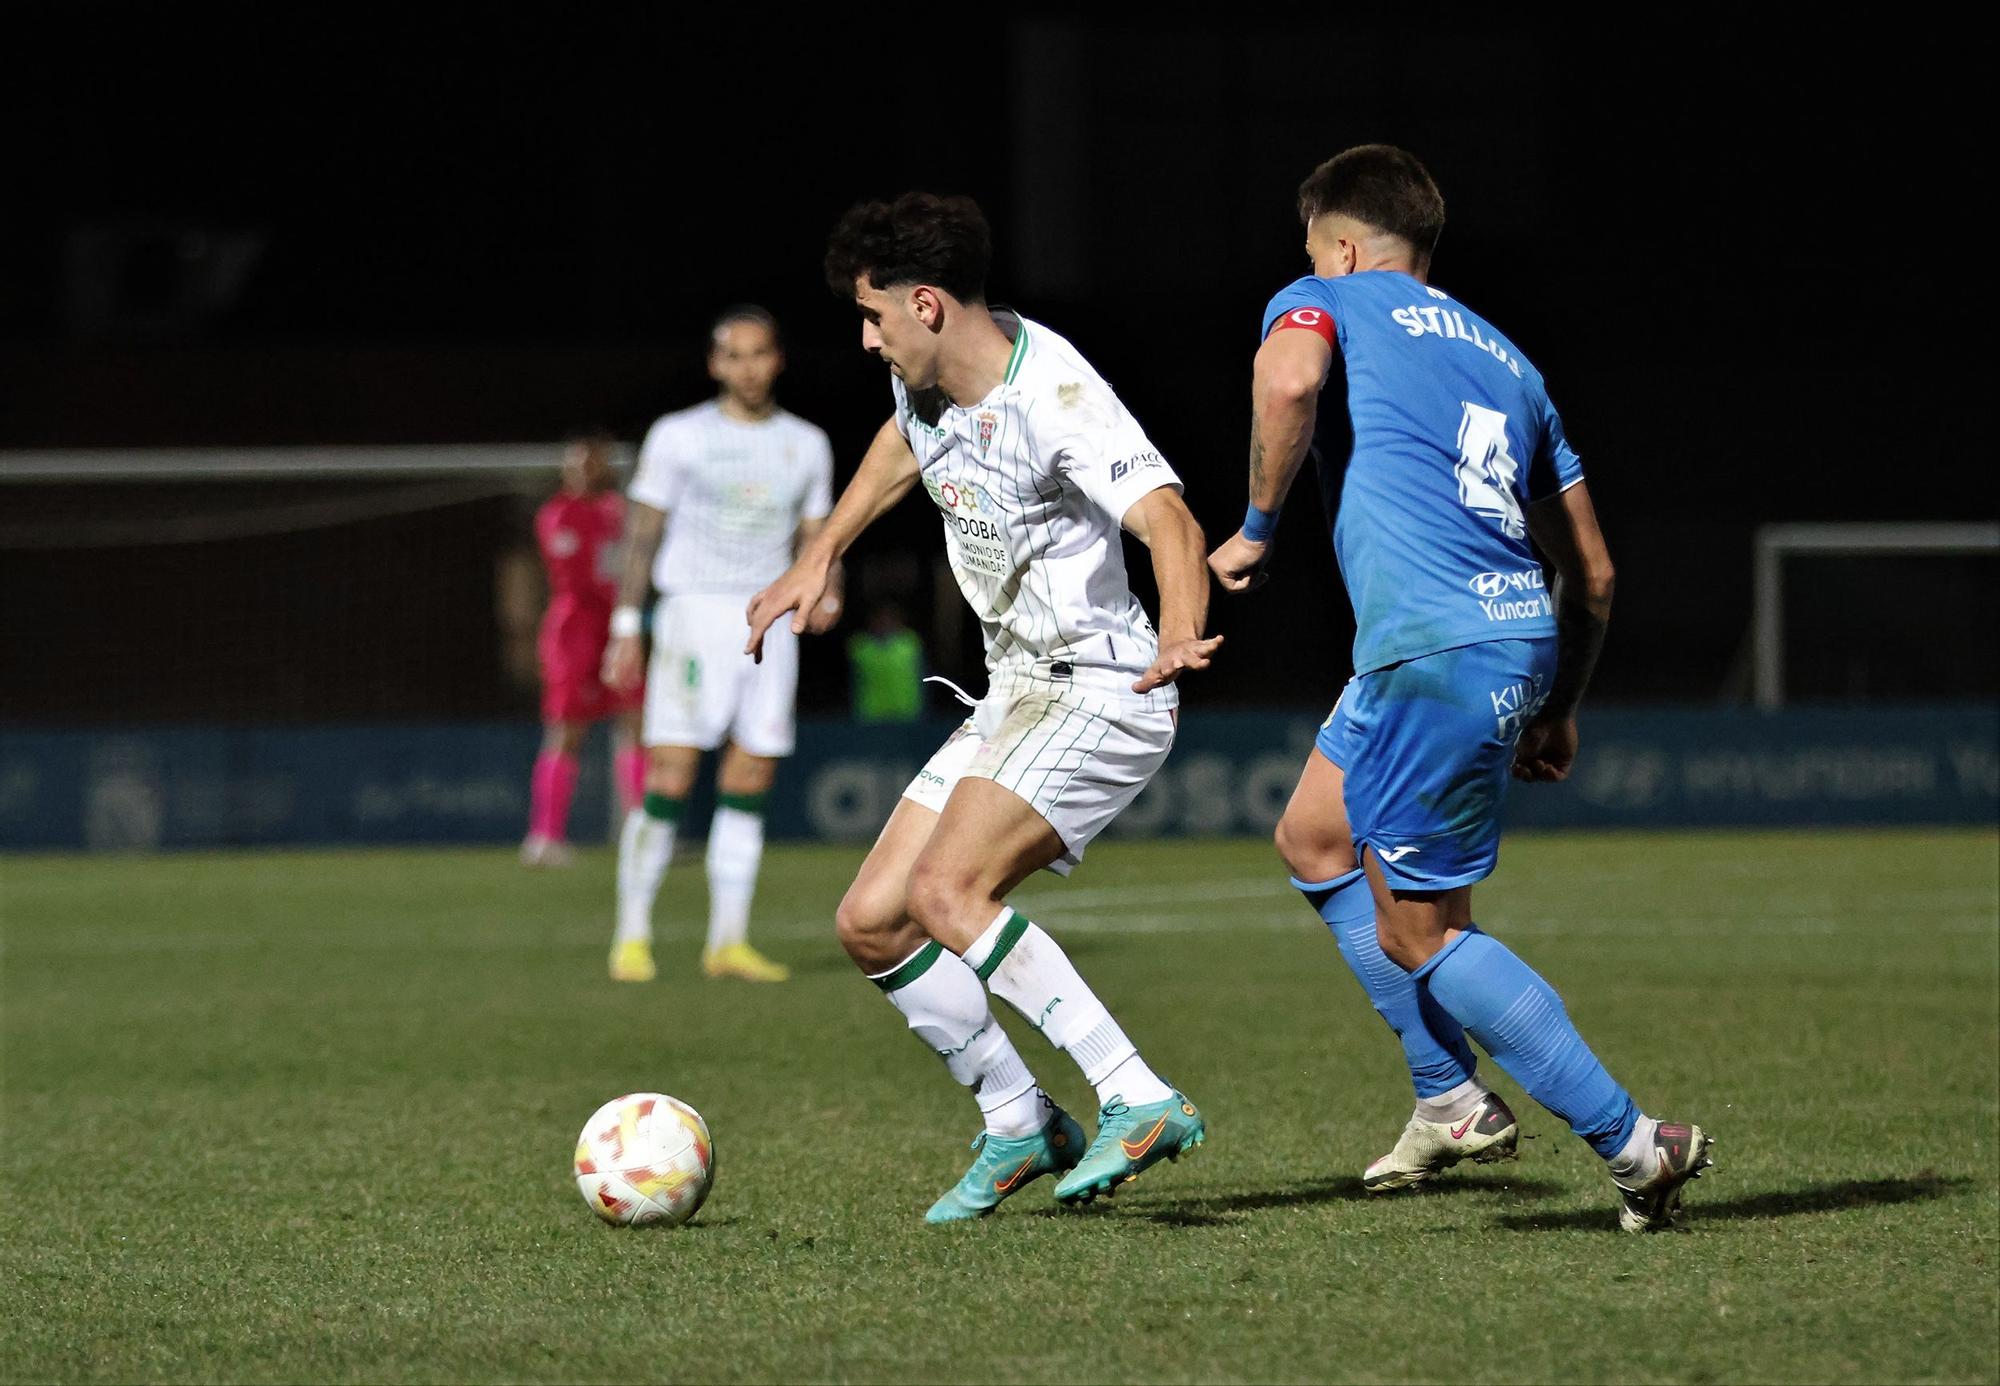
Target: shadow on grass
(1833, 1197)
(1348, 1189)
(1222, 1209)
(702, 1223)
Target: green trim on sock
(1010, 934)
(919, 963)
(663, 808)
(742, 803)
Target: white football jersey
(734, 494)
(1033, 482)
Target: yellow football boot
(741, 961)
(632, 961)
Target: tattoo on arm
(1282, 413)
(1579, 639)
(1565, 529)
(642, 543)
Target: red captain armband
(1316, 320)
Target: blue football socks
(1433, 1042)
(1518, 1019)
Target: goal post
(1776, 543)
(396, 461)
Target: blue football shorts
(1425, 746)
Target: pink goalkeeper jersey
(578, 537)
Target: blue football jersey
(1443, 438)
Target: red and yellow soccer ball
(645, 1159)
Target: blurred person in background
(887, 664)
(576, 532)
(725, 494)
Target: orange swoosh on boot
(1007, 1185)
(1134, 1150)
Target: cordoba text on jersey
(976, 528)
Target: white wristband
(627, 621)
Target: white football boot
(1486, 1134)
(1653, 1204)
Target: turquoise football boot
(1001, 1167)
(1129, 1141)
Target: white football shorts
(1077, 755)
(702, 688)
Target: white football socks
(942, 1001)
(1637, 1157)
(645, 846)
(1026, 969)
(735, 847)
(1455, 1105)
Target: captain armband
(1314, 320)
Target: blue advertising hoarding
(1231, 772)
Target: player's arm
(1565, 528)
(827, 613)
(1291, 367)
(1162, 522)
(884, 477)
(624, 659)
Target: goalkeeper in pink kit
(577, 532)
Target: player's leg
(1316, 843)
(645, 848)
(628, 758)
(762, 731)
(989, 838)
(1520, 1020)
(735, 850)
(568, 649)
(1442, 778)
(689, 689)
(1456, 1116)
(941, 1000)
(551, 788)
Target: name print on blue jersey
(1421, 319)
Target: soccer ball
(645, 1158)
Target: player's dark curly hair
(920, 238)
(1381, 185)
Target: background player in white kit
(736, 486)
(1035, 465)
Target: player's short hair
(1381, 185)
(746, 312)
(920, 238)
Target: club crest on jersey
(987, 422)
(961, 495)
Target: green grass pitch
(309, 1117)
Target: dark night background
(1748, 263)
